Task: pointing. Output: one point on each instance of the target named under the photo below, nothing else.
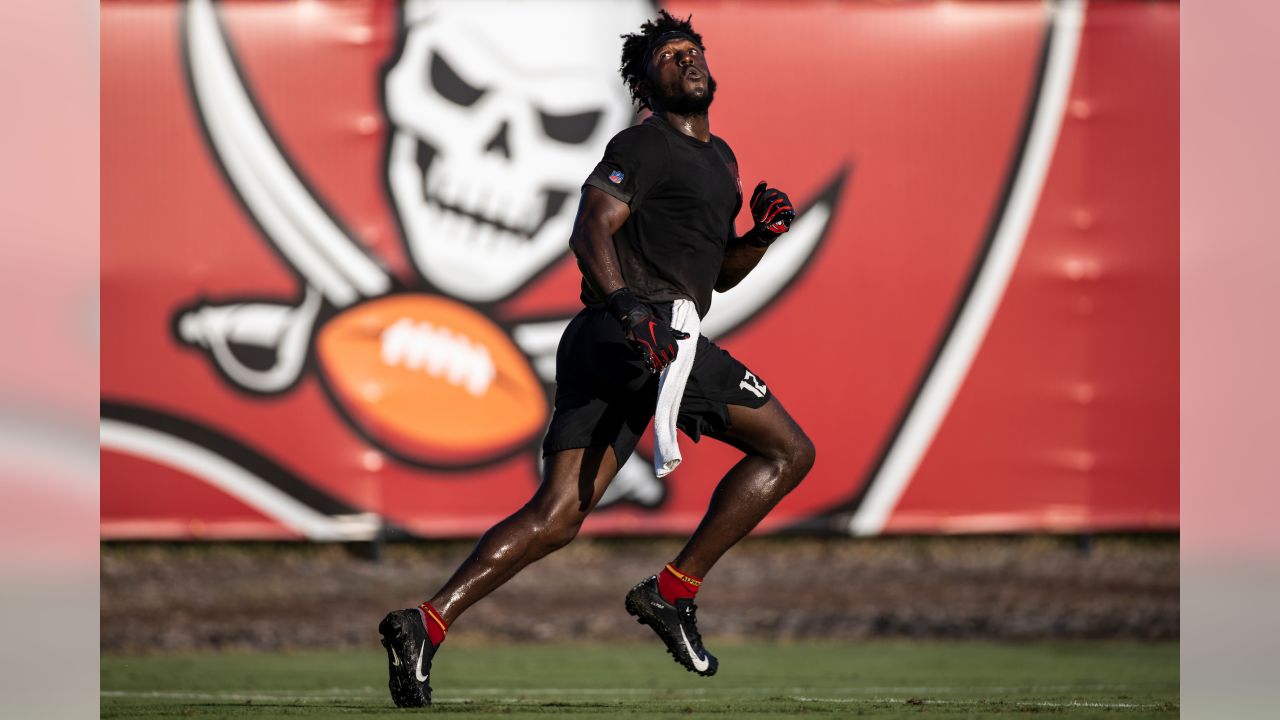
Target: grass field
(879, 679)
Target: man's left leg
(776, 456)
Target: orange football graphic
(431, 379)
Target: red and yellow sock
(437, 628)
(673, 584)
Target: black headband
(665, 38)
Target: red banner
(335, 270)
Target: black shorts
(606, 396)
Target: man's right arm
(600, 215)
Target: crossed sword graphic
(338, 270)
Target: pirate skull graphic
(497, 111)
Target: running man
(654, 226)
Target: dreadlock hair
(637, 46)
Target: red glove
(772, 211)
(655, 339)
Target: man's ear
(645, 90)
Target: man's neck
(696, 126)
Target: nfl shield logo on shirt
(615, 177)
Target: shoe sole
(405, 688)
(640, 611)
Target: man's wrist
(624, 306)
(759, 238)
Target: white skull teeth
(471, 210)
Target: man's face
(679, 78)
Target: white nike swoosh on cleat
(699, 663)
(395, 659)
(418, 670)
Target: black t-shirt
(683, 194)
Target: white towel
(666, 446)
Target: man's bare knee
(801, 457)
(555, 526)
(562, 532)
(794, 457)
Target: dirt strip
(267, 596)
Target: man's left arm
(740, 258)
(772, 212)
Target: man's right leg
(573, 482)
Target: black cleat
(677, 625)
(409, 653)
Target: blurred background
(335, 268)
(334, 271)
